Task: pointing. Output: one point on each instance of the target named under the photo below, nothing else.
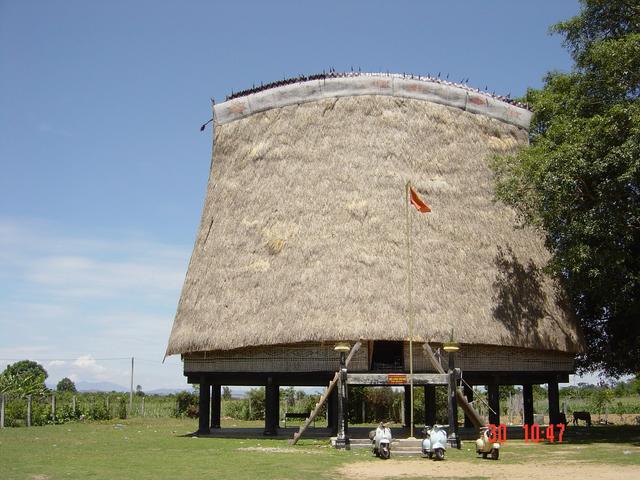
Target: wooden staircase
(324, 396)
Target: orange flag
(417, 202)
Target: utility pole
(131, 391)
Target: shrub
(238, 409)
(186, 402)
(256, 404)
(122, 408)
(98, 410)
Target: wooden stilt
(493, 393)
(332, 411)
(406, 420)
(554, 401)
(429, 405)
(527, 400)
(271, 404)
(215, 406)
(203, 413)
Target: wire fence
(30, 410)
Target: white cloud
(73, 300)
(87, 362)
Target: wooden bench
(301, 416)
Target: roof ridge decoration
(306, 90)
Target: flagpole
(409, 301)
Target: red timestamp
(532, 433)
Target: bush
(238, 409)
(122, 408)
(98, 410)
(186, 404)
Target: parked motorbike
(381, 441)
(484, 445)
(434, 443)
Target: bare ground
(494, 470)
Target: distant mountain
(165, 391)
(100, 387)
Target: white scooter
(485, 447)
(435, 442)
(381, 441)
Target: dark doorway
(387, 357)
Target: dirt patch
(276, 450)
(493, 470)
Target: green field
(155, 448)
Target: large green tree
(23, 378)
(579, 178)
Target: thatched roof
(303, 233)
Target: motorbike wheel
(385, 453)
(495, 454)
(439, 454)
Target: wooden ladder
(324, 396)
(462, 400)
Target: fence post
(28, 410)
(53, 407)
(107, 406)
(73, 405)
(2, 411)
(143, 406)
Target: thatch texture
(303, 233)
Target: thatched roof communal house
(302, 244)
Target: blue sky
(103, 167)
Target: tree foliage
(23, 378)
(27, 367)
(226, 393)
(66, 385)
(579, 179)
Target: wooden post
(271, 407)
(131, 390)
(2, 411)
(106, 404)
(493, 392)
(28, 410)
(215, 406)
(406, 407)
(554, 401)
(468, 392)
(203, 407)
(527, 404)
(429, 405)
(73, 405)
(142, 406)
(332, 411)
(53, 407)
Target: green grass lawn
(155, 448)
